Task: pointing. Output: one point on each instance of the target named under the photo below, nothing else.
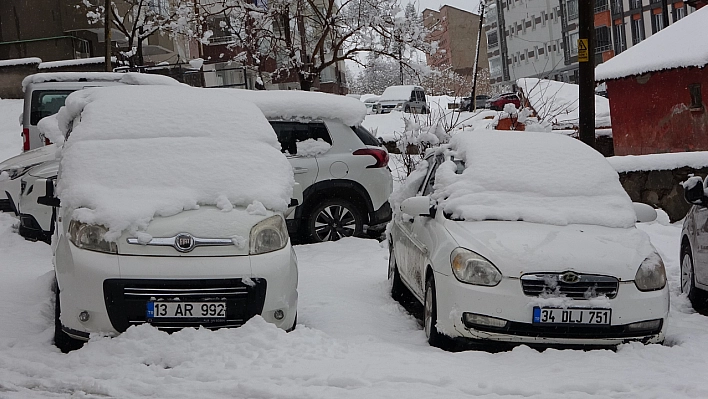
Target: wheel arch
(346, 189)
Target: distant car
(497, 103)
(694, 244)
(501, 251)
(480, 102)
(36, 220)
(179, 219)
(409, 99)
(370, 103)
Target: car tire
(424, 110)
(61, 339)
(407, 109)
(697, 297)
(294, 325)
(398, 290)
(430, 316)
(333, 219)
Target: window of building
(528, 25)
(679, 12)
(522, 57)
(544, 18)
(531, 54)
(635, 4)
(540, 51)
(657, 22)
(571, 9)
(620, 38)
(573, 44)
(694, 90)
(637, 30)
(616, 6)
(602, 39)
(492, 39)
(495, 68)
(601, 5)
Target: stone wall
(660, 189)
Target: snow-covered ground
(352, 340)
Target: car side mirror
(645, 213)
(418, 206)
(45, 195)
(693, 191)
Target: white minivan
(171, 213)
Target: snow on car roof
(143, 151)
(680, 45)
(535, 177)
(397, 93)
(557, 102)
(295, 104)
(133, 78)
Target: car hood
(205, 222)
(45, 170)
(517, 248)
(33, 157)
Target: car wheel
(407, 109)
(333, 219)
(424, 110)
(697, 297)
(430, 316)
(61, 339)
(398, 290)
(294, 325)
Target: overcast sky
(467, 5)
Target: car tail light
(379, 154)
(25, 139)
(46, 141)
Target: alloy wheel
(428, 312)
(334, 222)
(686, 274)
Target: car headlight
(90, 237)
(268, 235)
(472, 268)
(651, 275)
(399, 105)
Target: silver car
(694, 244)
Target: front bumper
(507, 301)
(380, 218)
(111, 287)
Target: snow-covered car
(340, 166)
(694, 244)
(402, 99)
(370, 101)
(525, 238)
(45, 94)
(171, 213)
(37, 220)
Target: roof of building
(681, 45)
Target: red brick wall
(653, 116)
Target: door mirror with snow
(645, 213)
(694, 192)
(417, 206)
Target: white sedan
(525, 238)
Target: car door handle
(298, 170)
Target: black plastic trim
(571, 332)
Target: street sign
(583, 53)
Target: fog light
(471, 320)
(278, 314)
(649, 325)
(84, 316)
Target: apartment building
(455, 32)
(538, 38)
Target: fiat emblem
(184, 242)
(569, 277)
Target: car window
(290, 133)
(430, 182)
(365, 136)
(46, 103)
(412, 96)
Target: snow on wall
(121, 165)
(557, 102)
(295, 104)
(680, 45)
(20, 61)
(535, 177)
(669, 161)
(75, 62)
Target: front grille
(586, 286)
(571, 332)
(126, 300)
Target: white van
(409, 99)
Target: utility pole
(586, 70)
(476, 56)
(107, 34)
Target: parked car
(480, 102)
(36, 220)
(340, 166)
(525, 238)
(694, 244)
(370, 101)
(497, 103)
(409, 99)
(171, 213)
(45, 94)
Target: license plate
(195, 310)
(596, 317)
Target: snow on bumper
(507, 302)
(85, 279)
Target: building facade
(538, 38)
(455, 31)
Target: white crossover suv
(525, 238)
(171, 213)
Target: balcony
(601, 5)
